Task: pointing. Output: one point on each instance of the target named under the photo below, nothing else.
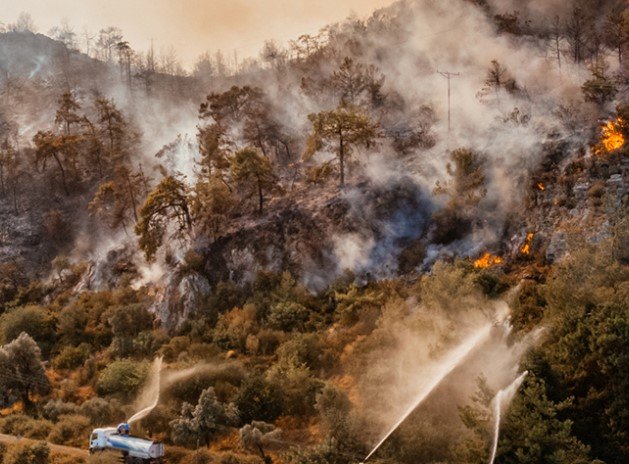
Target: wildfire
(525, 249)
(487, 260)
(540, 187)
(612, 137)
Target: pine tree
(344, 127)
(254, 173)
(166, 204)
(204, 420)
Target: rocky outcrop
(304, 237)
(180, 299)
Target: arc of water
(503, 398)
(448, 364)
(494, 445)
(153, 387)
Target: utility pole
(448, 75)
(151, 57)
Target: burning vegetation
(487, 260)
(541, 187)
(612, 137)
(525, 249)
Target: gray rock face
(180, 299)
(20, 238)
(557, 247)
(108, 268)
(192, 290)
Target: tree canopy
(345, 127)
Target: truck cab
(98, 439)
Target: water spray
(159, 380)
(151, 390)
(446, 366)
(502, 399)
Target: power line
(448, 75)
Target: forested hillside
(404, 239)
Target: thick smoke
(509, 129)
(409, 43)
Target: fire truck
(134, 450)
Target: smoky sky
(192, 27)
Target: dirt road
(60, 449)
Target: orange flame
(525, 249)
(540, 187)
(487, 260)
(612, 137)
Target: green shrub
(27, 453)
(175, 346)
(226, 295)
(527, 305)
(34, 320)
(145, 344)
(491, 283)
(127, 322)
(57, 408)
(220, 377)
(72, 357)
(358, 304)
(308, 349)
(84, 320)
(72, 430)
(334, 409)
(269, 340)
(288, 316)
(297, 385)
(25, 426)
(100, 411)
(450, 288)
(203, 351)
(259, 399)
(123, 377)
(233, 327)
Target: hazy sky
(192, 26)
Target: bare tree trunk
(287, 149)
(14, 190)
(342, 159)
(63, 174)
(28, 405)
(132, 197)
(265, 459)
(260, 196)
